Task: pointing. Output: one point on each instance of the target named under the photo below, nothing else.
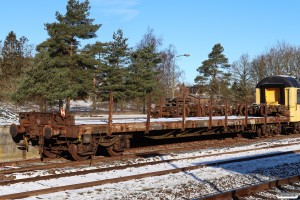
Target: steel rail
(143, 154)
(246, 191)
(131, 177)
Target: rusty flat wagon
(277, 110)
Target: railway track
(284, 188)
(142, 152)
(142, 164)
(163, 148)
(175, 166)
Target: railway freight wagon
(277, 110)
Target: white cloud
(120, 8)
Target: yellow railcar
(280, 90)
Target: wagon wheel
(72, 148)
(277, 129)
(49, 154)
(259, 132)
(45, 149)
(115, 149)
(118, 146)
(268, 131)
(114, 152)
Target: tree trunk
(68, 102)
(43, 106)
(144, 105)
(60, 104)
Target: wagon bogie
(79, 152)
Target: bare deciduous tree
(242, 78)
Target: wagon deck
(157, 124)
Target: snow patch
(8, 117)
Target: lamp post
(173, 74)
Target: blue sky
(192, 26)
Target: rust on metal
(160, 107)
(199, 108)
(226, 116)
(210, 113)
(73, 131)
(183, 115)
(15, 130)
(246, 113)
(265, 114)
(184, 107)
(177, 108)
(148, 113)
(109, 125)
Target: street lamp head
(173, 73)
(186, 55)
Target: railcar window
(298, 96)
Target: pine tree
(15, 58)
(34, 87)
(214, 70)
(68, 72)
(142, 77)
(112, 74)
(146, 73)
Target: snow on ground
(7, 117)
(180, 185)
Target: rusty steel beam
(148, 113)
(266, 115)
(199, 107)
(110, 114)
(183, 113)
(246, 112)
(177, 107)
(210, 113)
(160, 106)
(226, 116)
